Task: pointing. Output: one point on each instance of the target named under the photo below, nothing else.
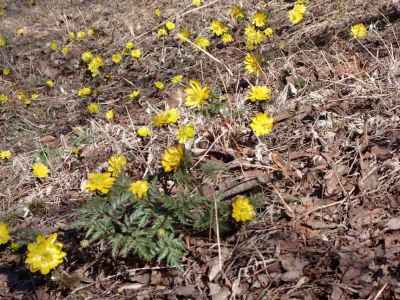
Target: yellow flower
(169, 116)
(359, 31)
(185, 133)
(91, 32)
(134, 95)
(136, 53)
(162, 32)
(129, 45)
(296, 15)
(3, 41)
(218, 28)
(159, 85)
(259, 93)
(65, 51)
(196, 94)
(34, 96)
(253, 36)
(5, 154)
(81, 35)
(23, 97)
(45, 254)
(172, 158)
(3, 98)
(144, 132)
(242, 209)
(252, 64)
(93, 108)
(157, 12)
(6, 71)
(50, 83)
(53, 45)
(95, 64)
(262, 124)
(109, 115)
(176, 79)
(269, 32)
(227, 38)
(116, 164)
(72, 35)
(139, 188)
(4, 234)
(202, 42)
(197, 2)
(183, 35)
(170, 25)
(116, 58)
(40, 170)
(87, 56)
(259, 19)
(101, 182)
(237, 12)
(85, 91)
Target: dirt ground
(328, 175)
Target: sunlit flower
(34, 96)
(183, 35)
(259, 93)
(50, 83)
(185, 133)
(4, 234)
(5, 154)
(268, 32)
(296, 15)
(65, 51)
(116, 58)
(176, 79)
(53, 45)
(144, 131)
(3, 41)
(136, 53)
(101, 182)
(45, 254)
(40, 170)
(242, 209)
(262, 124)
(197, 2)
(252, 64)
(87, 56)
(359, 31)
(109, 115)
(81, 35)
(85, 91)
(91, 32)
(218, 28)
(227, 38)
(6, 71)
(3, 98)
(259, 19)
(116, 164)
(170, 25)
(162, 32)
(95, 64)
(159, 85)
(134, 94)
(196, 95)
(202, 42)
(169, 116)
(254, 37)
(139, 188)
(237, 12)
(157, 12)
(93, 108)
(172, 158)
(129, 45)
(72, 35)
(23, 97)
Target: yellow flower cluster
(139, 188)
(169, 116)
(196, 94)
(242, 209)
(296, 14)
(262, 124)
(252, 64)
(185, 133)
(93, 108)
(5, 154)
(359, 31)
(85, 91)
(144, 132)
(259, 93)
(40, 170)
(99, 182)
(95, 64)
(4, 234)
(45, 254)
(116, 164)
(172, 158)
(3, 98)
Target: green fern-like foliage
(147, 228)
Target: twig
(288, 208)
(208, 150)
(218, 235)
(380, 291)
